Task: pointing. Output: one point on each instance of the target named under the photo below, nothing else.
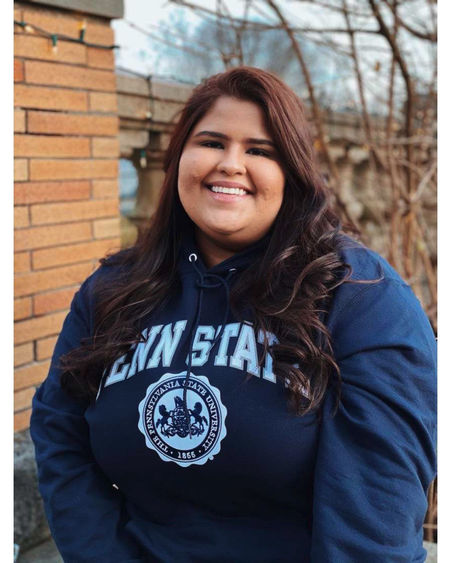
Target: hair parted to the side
(289, 287)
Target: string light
(82, 29)
(55, 37)
(54, 44)
(26, 26)
(143, 159)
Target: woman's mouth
(223, 193)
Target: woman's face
(230, 179)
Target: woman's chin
(224, 229)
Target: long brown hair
(289, 288)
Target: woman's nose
(232, 162)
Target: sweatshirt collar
(238, 261)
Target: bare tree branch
(334, 8)
(167, 42)
(410, 91)
(316, 113)
(367, 126)
(429, 36)
(231, 20)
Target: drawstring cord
(202, 284)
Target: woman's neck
(212, 253)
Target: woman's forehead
(233, 115)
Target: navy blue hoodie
(226, 473)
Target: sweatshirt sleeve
(376, 456)
(83, 510)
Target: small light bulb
(54, 44)
(82, 29)
(28, 28)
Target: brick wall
(66, 152)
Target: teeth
(232, 191)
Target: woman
(246, 383)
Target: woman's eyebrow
(227, 138)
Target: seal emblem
(185, 440)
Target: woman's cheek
(193, 167)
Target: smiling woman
(230, 188)
(247, 382)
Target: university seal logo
(186, 440)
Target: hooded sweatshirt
(190, 454)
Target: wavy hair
(289, 288)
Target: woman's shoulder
(375, 292)
(366, 264)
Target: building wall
(66, 152)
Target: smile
(223, 193)
(224, 190)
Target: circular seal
(185, 438)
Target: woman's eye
(259, 152)
(212, 144)
(217, 145)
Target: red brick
(34, 282)
(45, 145)
(45, 347)
(73, 253)
(53, 301)
(70, 25)
(18, 71)
(22, 308)
(40, 97)
(72, 169)
(21, 262)
(19, 121)
(22, 398)
(26, 331)
(22, 420)
(40, 237)
(21, 216)
(38, 192)
(70, 124)
(20, 169)
(104, 189)
(56, 74)
(36, 47)
(102, 102)
(45, 213)
(30, 375)
(100, 58)
(23, 354)
(105, 147)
